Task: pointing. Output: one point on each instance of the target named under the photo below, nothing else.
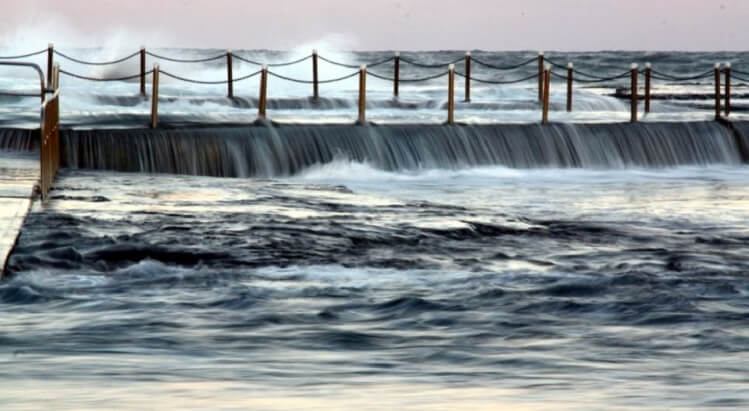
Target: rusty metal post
(717, 91)
(315, 89)
(50, 62)
(43, 150)
(540, 76)
(396, 72)
(648, 73)
(143, 71)
(155, 97)
(229, 75)
(468, 76)
(727, 71)
(570, 73)
(546, 93)
(362, 95)
(451, 94)
(49, 144)
(633, 93)
(263, 99)
(56, 136)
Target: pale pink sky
(381, 24)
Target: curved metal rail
(42, 86)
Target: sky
(574, 25)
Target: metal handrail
(49, 127)
(42, 84)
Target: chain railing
(506, 77)
(23, 56)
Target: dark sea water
(569, 266)
(346, 286)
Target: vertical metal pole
(315, 89)
(43, 152)
(42, 91)
(540, 76)
(727, 71)
(50, 61)
(648, 72)
(57, 130)
(143, 71)
(42, 149)
(717, 91)
(362, 95)
(633, 93)
(155, 98)
(546, 87)
(468, 76)
(570, 73)
(56, 77)
(263, 100)
(57, 127)
(396, 72)
(229, 75)
(451, 94)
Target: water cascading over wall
(741, 130)
(12, 139)
(287, 149)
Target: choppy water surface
(344, 286)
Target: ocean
(310, 263)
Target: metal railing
(50, 144)
(42, 89)
(49, 157)
(571, 75)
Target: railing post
(50, 61)
(451, 94)
(717, 91)
(56, 77)
(468, 76)
(43, 151)
(362, 95)
(44, 166)
(54, 162)
(48, 157)
(263, 99)
(540, 76)
(570, 73)
(315, 89)
(155, 97)
(49, 149)
(545, 91)
(57, 129)
(143, 71)
(633, 93)
(229, 75)
(648, 72)
(727, 71)
(396, 72)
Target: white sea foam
(352, 171)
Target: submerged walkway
(19, 173)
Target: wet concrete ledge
(19, 175)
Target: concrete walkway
(19, 173)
